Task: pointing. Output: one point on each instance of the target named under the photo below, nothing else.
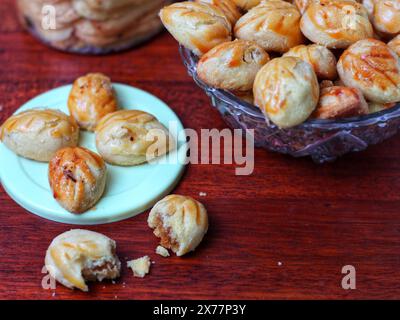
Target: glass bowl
(322, 140)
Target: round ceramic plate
(129, 191)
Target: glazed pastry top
(74, 174)
(57, 123)
(92, 97)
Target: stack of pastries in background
(92, 26)
(297, 59)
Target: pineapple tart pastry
(336, 23)
(77, 256)
(385, 16)
(287, 91)
(232, 65)
(132, 137)
(340, 102)
(37, 134)
(91, 98)
(197, 26)
(274, 25)
(77, 178)
(180, 222)
(228, 7)
(371, 66)
(321, 59)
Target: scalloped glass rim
(190, 61)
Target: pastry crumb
(162, 251)
(140, 267)
(280, 263)
(202, 194)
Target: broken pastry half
(180, 222)
(77, 256)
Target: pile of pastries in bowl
(295, 59)
(78, 176)
(92, 26)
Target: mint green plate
(129, 191)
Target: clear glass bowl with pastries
(91, 26)
(317, 78)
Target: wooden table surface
(285, 232)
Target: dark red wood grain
(282, 233)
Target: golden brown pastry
(91, 98)
(180, 222)
(197, 26)
(228, 7)
(385, 16)
(336, 23)
(377, 107)
(394, 44)
(37, 134)
(340, 102)
(232, 65)
(77, 178)
(132, 137)
(371, 66)
(246, 5)
(286, 90)
(321, 58)
(274, 25)
(77, 256)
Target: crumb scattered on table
(162, 251)
(202, 194)
(140, 267)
